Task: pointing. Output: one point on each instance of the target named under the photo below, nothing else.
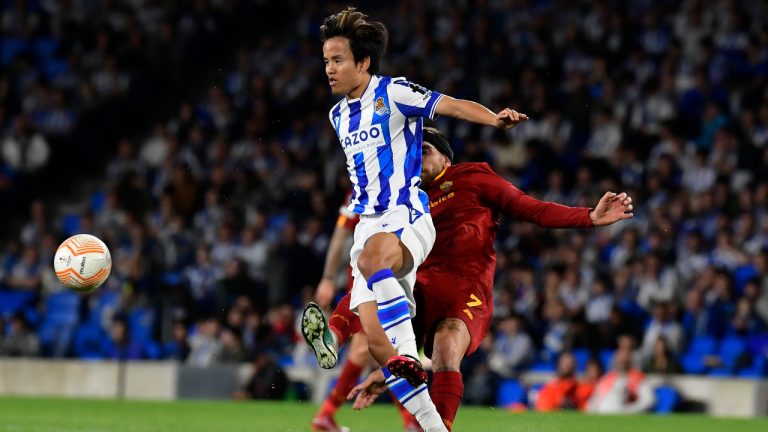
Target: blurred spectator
(622, 390)
(268, 381)
(23, 149)
(663, 325)
(592, 374)
(177, 348)
(119, 346)
(662, 360)
(19, 340)
(204, 344)
(26, 273)
(559, 392)
(231, 346)
(512, 348)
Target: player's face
(432, 163)
(344, 75)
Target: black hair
(366, 38)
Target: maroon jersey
(466, 202)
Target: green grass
(81, 415)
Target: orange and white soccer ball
(82, 262)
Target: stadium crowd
(219, 210)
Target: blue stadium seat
(606, 357)
(61, 316)
(543, 366)
(758, 368)
(53, 68)
(98, 199)
(699, 349)
(510, 392)
(46, 47)
(731, 350)
(582, 357)
(62, 308)
(12, 301)
(88, 341)
(667, 399)
(104, 301)
(70, 225)
(140, 325)
(11, 47)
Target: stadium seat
(11, 47)
(70, 225)
(46, 47)
(53, 68)
(582, 357)
(730, 352)
(140, 324)
(12, 301)
(510, 393)
(62, 308)
(543, 366)
(61, 316)
(700, 348)
(667, 399)
(606, 357)
(88, 341)
(106, 301)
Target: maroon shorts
(449, 295)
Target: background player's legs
(357, 360)
(451, 341)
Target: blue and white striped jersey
(381, 134)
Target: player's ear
(364, 65)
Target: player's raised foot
(326, 423)
(314, 328)
(408, 368)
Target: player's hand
(324, 293)
(612, 208)
(509, 118)
(367, 391)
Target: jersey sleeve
(503, 196)
(414, 100)
(347, 219)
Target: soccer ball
(82, 262)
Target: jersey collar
(367, 86)
(440, 175)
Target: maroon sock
(446, 392)
(344, 322)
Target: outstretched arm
(472, 111)
(502, 195)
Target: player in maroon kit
(455, 283)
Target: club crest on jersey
(446, 186)
(380, 107)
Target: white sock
(394, 314)
(416, 401)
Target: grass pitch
(84, 415)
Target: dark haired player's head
(352, 50)
(436, 154)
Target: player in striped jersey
(379, 126)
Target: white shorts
(415, 230)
